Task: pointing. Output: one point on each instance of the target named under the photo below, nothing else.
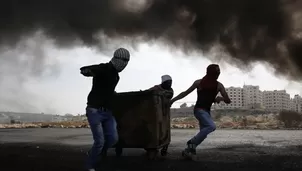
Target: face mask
(216, 75)
(213, 72)
(166, 85)
(120, 59)
(119, 64)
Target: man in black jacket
(99, 103)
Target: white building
(296, 103)
(252, 97)
(276, 100)
(292, 105)
(236, 96)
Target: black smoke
(244, 30)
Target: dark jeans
(206, 126)
(104, 132)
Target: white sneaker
(91, 169)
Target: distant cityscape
(17, 117)
(251, 97)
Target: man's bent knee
(112, 140)
(98, 143)
(212, 127)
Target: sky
(66, 91)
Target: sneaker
(91, 169)
(191, 148)
(189, 154)
(186, 153)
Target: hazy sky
(67, 91)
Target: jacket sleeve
(92, 70)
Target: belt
(98, 108)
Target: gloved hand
(86, 71)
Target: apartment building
(292, 105)
(296, 103)
(252, 97)
(236, 96)
(277, 100)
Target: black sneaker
(187, 154)
(191, 147)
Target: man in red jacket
(207, 89)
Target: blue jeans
(104, 132)
(206, 126)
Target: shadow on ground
(55, 157)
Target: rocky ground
(267, 121)
(64, 124)
(178, 124)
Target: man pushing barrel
(99, 105)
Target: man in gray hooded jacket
(105, 77)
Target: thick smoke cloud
(29, 59)
(245, 30)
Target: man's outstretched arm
(185, 93)
(91, 70)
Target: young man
(207, 89)
(99, 103)
(166, 85)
